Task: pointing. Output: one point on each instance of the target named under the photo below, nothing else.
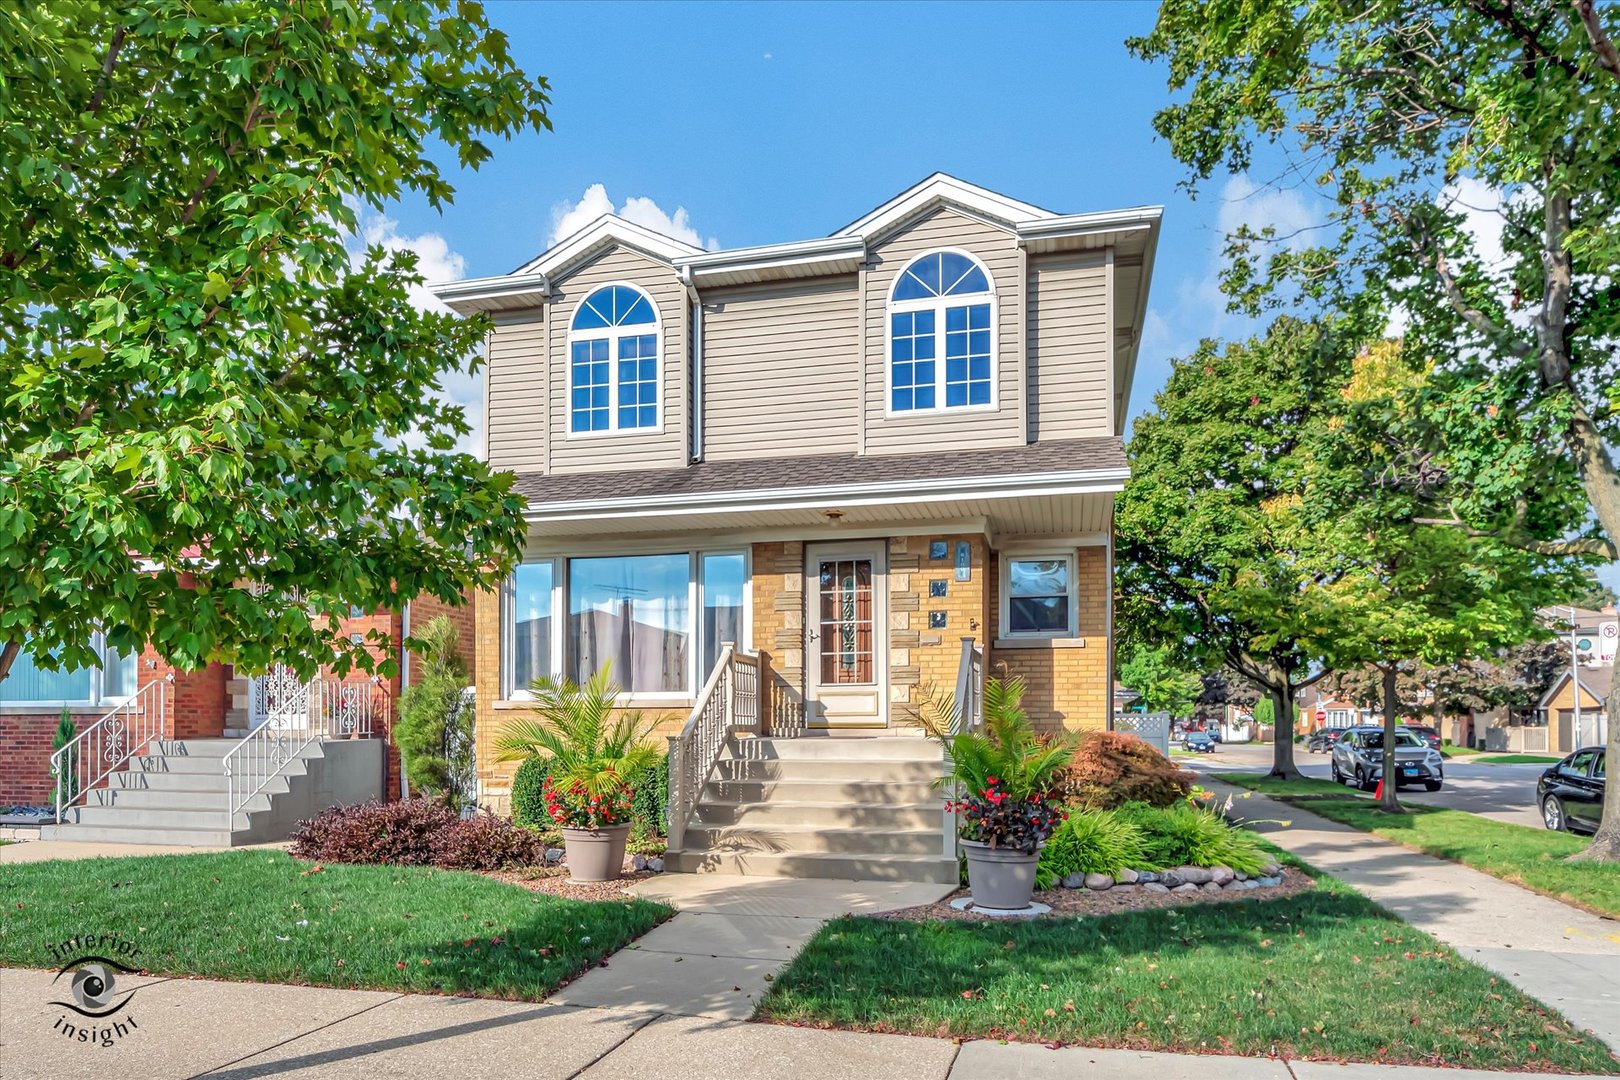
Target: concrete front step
(842, 748)
(878, 815)
(159, 798)
(860, 769)
(157, 817)
(192, 782)
(123, 834)
(198, 748)
(819, 791)
(937, 869)
(812, 839)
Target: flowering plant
(572, 807)
(1005, 777)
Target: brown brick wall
(924, 659)
(1066, 683)
(25, 756)
(425, 609)
(778, 596)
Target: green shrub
(1188, 835)
(651, 798)
(1111, 769)
(1094, 842)
(528, 804)
(435, 729)
(67, 784)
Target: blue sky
(742, 124)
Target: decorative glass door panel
(845, 628)
(845, 633)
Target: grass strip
(262, 916)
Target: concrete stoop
(862, 809)
(177, 793)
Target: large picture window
(657, 620)
(1038, 596)
(30, 684)
(613, 362)
(940, 348)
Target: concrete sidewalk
(189, 1029)
(1567, 958)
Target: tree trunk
(1605, 843)
(1390, 803)
(1282, 747)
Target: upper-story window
(613, 362)
(939, 334)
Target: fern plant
(594, 749)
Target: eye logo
(93, 986)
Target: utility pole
(1574, 672)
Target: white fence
(1152, 728)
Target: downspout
(696, 449)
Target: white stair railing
(328, 709)
(967, 714)
(729, 703)
(104, 747)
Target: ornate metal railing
(107, 745)
(326, 709)
(729, 703)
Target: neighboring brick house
(845, 455)
(211, 703)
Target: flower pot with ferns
(1003, 781)
(593, 749)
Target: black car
(1571, 792)
(1322, 740)
(1199, 742)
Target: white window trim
(611, 335)
(559, 619)
(1072, 630)
(938, 305)
(98, 683)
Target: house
(876, 463)
(166, 755)
(1319, 710)
(1556, 729)
(1588, 639)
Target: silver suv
(1358, 757)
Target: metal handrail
(967, 714)
(101, 749)
(729, 703)
(330, 709)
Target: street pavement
(1504, 792)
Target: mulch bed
(553, 880)
(1070, 902)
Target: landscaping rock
(1220, 875)
(1099, 882)
(1241, 876)
(1171, 878)
(1196, 875)
(1154, 886)
(1074, 881)
(1247, 883)
(1271, 869)
(638, 863)
(1125, 877)
(1270, 880)
(1185, 886)
(553, 856)
(656, 865)
(1210, 886)
(1145, 877)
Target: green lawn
(1534, 858)
(263, 916)
(1514, 759)
(1458, 751)
(1304, 786)
(1323, 974)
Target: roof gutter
(696, 449)
(482, 294)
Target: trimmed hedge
(415, 832)
(1111, 769)
(651, 797)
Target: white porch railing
(967, 714)
(326, 709)
(729, 703)
(105, 746)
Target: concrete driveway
(1503, 792)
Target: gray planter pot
(596, 854)
(1000, 877)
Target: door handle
(811, 635)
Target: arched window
(940, 345)
(613, 362)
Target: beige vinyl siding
(1068, 346)
(662, 449)
(780, 369)
(516, 421)
(949, 429)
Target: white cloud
(569, 217)
(1482, 209)
(436, 261)
(1243, 202)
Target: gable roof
(606, 231)
(942, 189)
(1594, 680)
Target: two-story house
(843, 455)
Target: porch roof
(815, 489)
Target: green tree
(1466, 154)
(1265, 713)
(1160, 683)
(1216, 556)
(435, 729)
(203, 384)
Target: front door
(845, 632)
(280, 698)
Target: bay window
(656, 620)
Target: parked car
(1200, 742)
(1571, 792)
(1426, 733)
(1322, 740)
(1358, 757)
